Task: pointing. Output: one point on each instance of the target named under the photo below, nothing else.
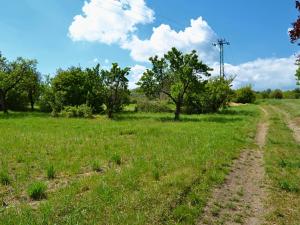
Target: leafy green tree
(95, 89)
(75, 87)
(11, 75)
(215, 95)
(173, 75)
(116, 90)
(32, 86)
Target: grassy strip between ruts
(282, 157)
(164, 173)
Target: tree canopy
(173, 75)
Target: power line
(220, 43)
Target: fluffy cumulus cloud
(109, 21)
(135, 75)
(198, 36)
(116, 21)
(264, 73)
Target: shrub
(4, 178)
(116, 159)
(152, 106)
(215, 95)
(82, 111)
(277, 94)
(245, 95)
(37, 191)
(51, 172)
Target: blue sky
(257, 31)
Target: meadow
(139, 168)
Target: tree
(75, 87)
(32, 85)
(295, 36)
(245, 95)
(295, 31)
(173, 75)
(115, 88)
(215, 95)
(11, 74)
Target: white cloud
(135, 75)
(109, 21)
(263, 73)
(198, 36)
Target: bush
(214, 96)
(277, 94)
(153, 106)
(37, 191)
(51, 172)
(4, 178)
(82, 111)
(245, 95)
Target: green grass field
(282, 156)
(136, 169)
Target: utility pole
(220, 43)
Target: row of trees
(176, 77)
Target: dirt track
(240, 199)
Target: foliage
(4, 178)
(82, 111)
(153, 106)
(75, 87)
(115, 84)
(215, 95)
(37, 191)
(295, 31)
(277, 94)
(12, 74)
(172, 76)
(245, 95)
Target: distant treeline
(279, 94)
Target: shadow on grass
(214, 118)
(17, 115)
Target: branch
(170, 96)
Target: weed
(215, 211)
(96, 166)
(288, 186)
(116, 159)
(51, 172)
(4, 178)
(156, 174)
(37, 191)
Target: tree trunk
(178, 111)
(3, 102)
(32, 105)
(110, 114)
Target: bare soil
(240, 200)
